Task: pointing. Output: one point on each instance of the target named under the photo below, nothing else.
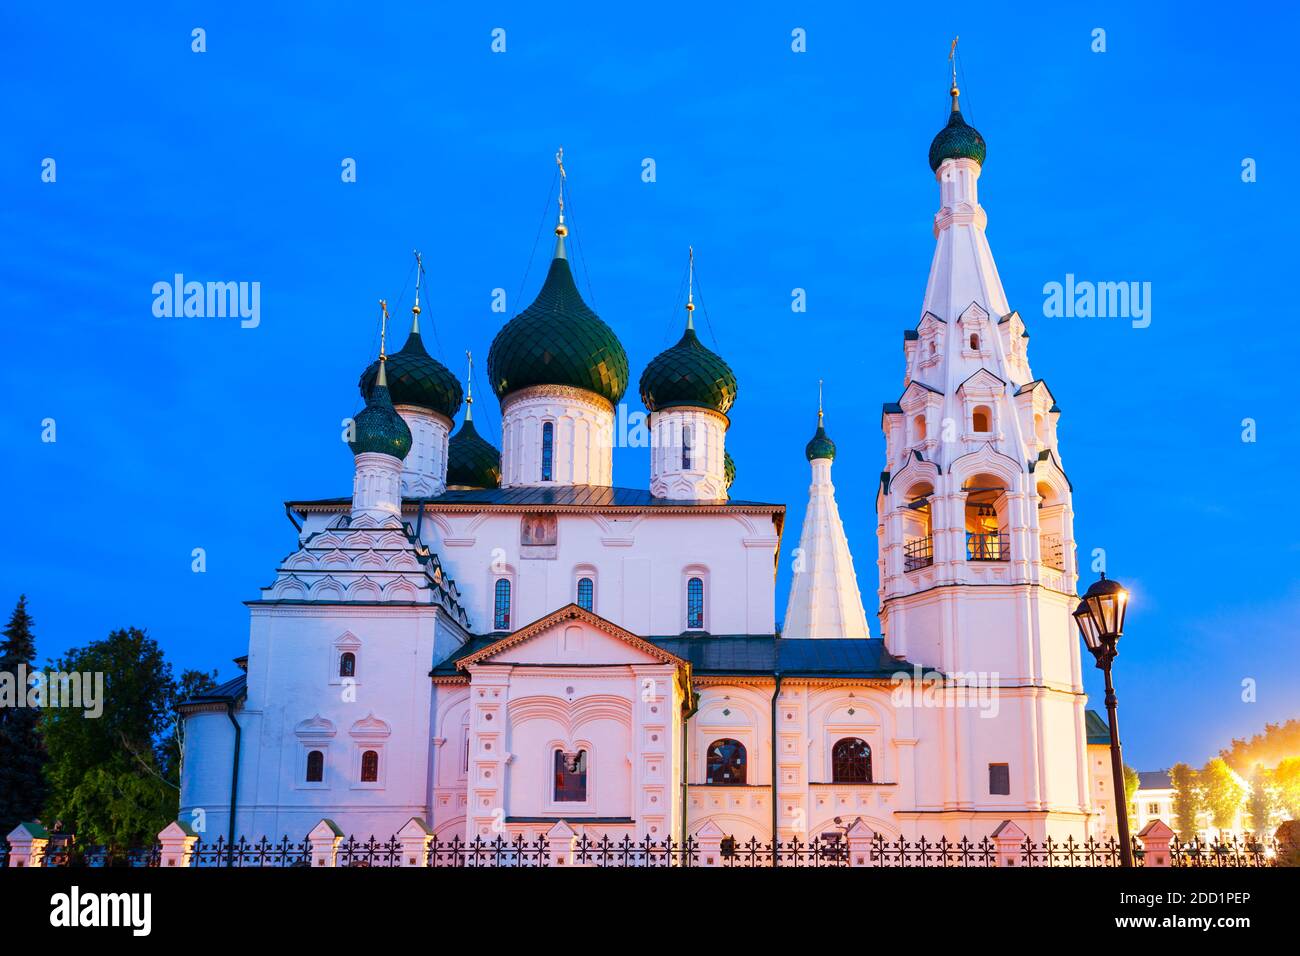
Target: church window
(548, 450)
(974, 342)
(501, 608)
(851, 761)
(981, 419)
(370, 766)
(687, 451)
(1000, 779)
(586, 593)
(726, 763)
(570, 776)
(315, 766)
(695, 603)
(347, 664)
(918, 428)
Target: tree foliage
(1187, 799)
(113, 779)
(22, 752)
(1221, 793)
(1275, 744)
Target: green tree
(22, 753)
(107, 775)
(1286, 778)
(1131, 783)
(1263, 803)
(1223, 793)
(1187, 800)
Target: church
(491, 641)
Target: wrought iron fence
(818, 852)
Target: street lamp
(1100, 616)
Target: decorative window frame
(746, 737)
(581, 571)
(974, 321)
(314, 733)
(506, 573)
(869, 732)
(549, 802)
(702, 572)
(345, 643)
(369, 733)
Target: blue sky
(784, 170)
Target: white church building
(492, 642)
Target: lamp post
(1100, 616)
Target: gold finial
(469, 387)
(383, 329)
(952, 59)
(415, 309)
(561, 229)
(690, 289)
(819, 403)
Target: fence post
(27, 843)
(860, 838)
(1156, 837)
(1009, 839)
(708, 839)
(560, 840)
(414, 838)
(325, 838)
(177, 841)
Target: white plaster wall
(424, 470)
(583, 443)
(646, 595)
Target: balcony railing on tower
(992, 546)
(918, 553)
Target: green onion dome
(957, 140)
(377, 427)
(417, 378)
(821, 446)
(558, 340)
(688, 374)
(728, 469)
(472, 462)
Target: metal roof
(233, 689)
(1154, 780)
(1096, 728)
(751, 655)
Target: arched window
(986, 535)
(501, 605)
(347, 664)
(315, 766)
(570, 776)
(695, 603)
(918, 544)
(687, 438)
(586, 593)
(974, 342)
(851, 761)
(918, 428)
(982, 419)
(548, 450)
(370, 766)
(726, 762)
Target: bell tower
(975, 526)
